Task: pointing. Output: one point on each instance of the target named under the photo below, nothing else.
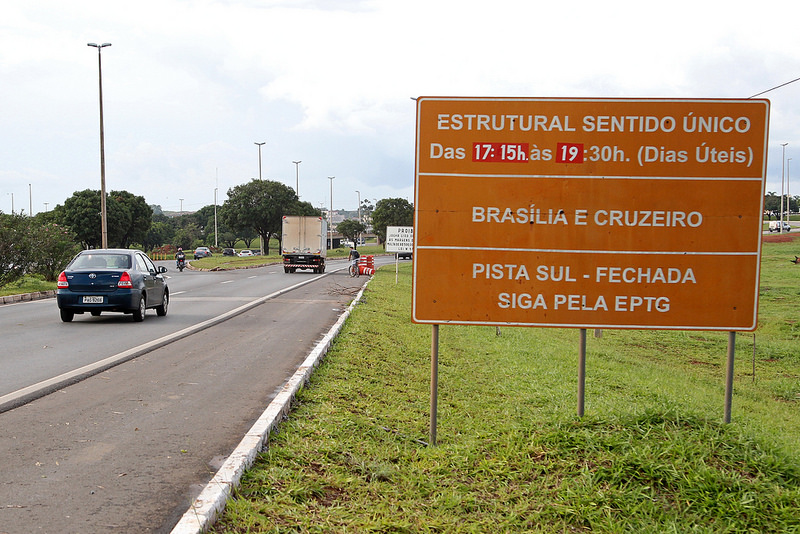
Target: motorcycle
(180, 263)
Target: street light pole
(783, 163)
(103, 212)
(297, 177)
(259, 158)
(788, 194)
(330, 213)
(359, 215)
(216, 232)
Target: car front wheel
(138, 313)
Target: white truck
(775, 226)
(303, 243)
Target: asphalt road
(128, 449)
(38, 347)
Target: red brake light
(62, 281)
(124, 280)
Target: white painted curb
(211, 502)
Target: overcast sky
(189, 86)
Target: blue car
(112, 280)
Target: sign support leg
(434, 381)
(582, 373)
(729, 376)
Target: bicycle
(353, 269)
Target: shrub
(53, 247)
(15, 247)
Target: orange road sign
(613, 213)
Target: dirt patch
(779, 238)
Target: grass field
(27, 284)
(651, 453)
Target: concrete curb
(211, 502)
(26, 297)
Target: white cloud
(190, 85)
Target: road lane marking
(30, 393)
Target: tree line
(43, 244)
(772, 203)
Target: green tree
(259, 205)
(15, 247)
(81, 213)
(128, 217)
(391, 212)
(53, 246)
(772, 202)
(186, 236)
(351, 228)
(204, 220)
(366, 212)
(160, 233)
(305, 209)
(247, 235)
(227, 238)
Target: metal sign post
(434, 381)
(729, 376)
(582, 373)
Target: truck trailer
(303, 243)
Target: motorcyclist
(180, 257)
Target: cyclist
(353, 258)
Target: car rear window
(102, 261)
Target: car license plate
(93, 300)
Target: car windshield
(102, 261)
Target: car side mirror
(162, 269)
